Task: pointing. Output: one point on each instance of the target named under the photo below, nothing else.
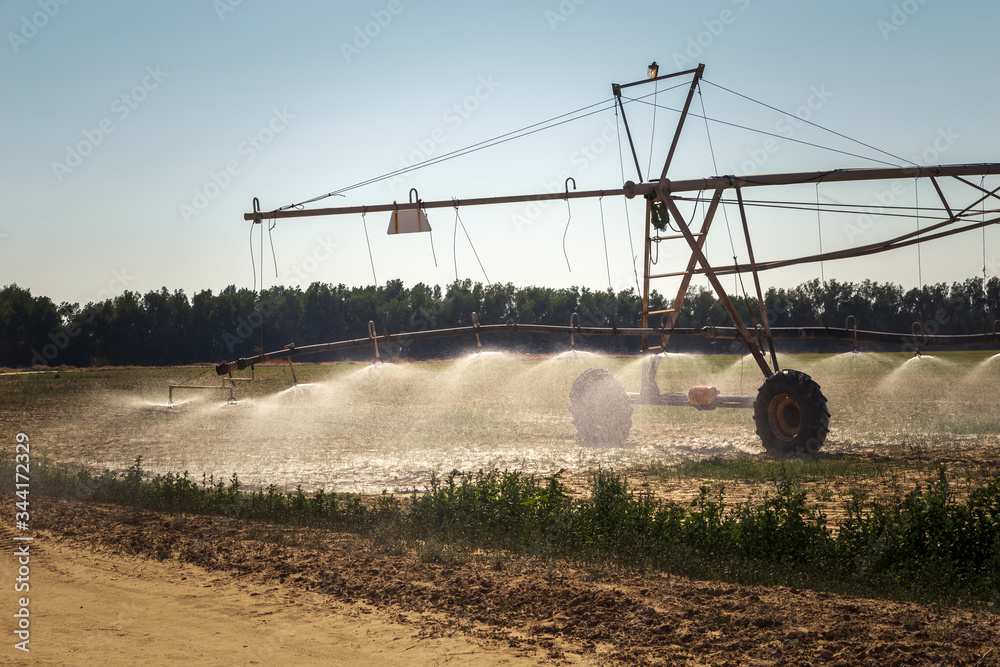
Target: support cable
(652, 132)
(270, 240)
(454, 243)
(902, 241)
(459, 221)
(604, 235)
(819, 230)
(986, 315)
(628, 220)
(825, 129)
(487, 143)
(253, 263)
(569, 217)
(715, 166)
(916, 207)
(982, 182)
(845, 209)
(772, 134)
(737, 277)
(261, 286)
(371, 258)
(756, 281)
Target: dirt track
(219, 593)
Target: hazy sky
(136, 134)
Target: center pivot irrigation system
(790, 411)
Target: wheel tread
(812, 404)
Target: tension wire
(364, 223)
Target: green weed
(926, 545)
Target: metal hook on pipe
(295, 380)
(232, 387)
(374, 338)
(918, 332)
(256, 211)
(475, 323)
(847, 325)
(414, 195)
(569, 216)
(575, 317)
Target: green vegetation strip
(925, 546)
(756, 470)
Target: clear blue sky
(122, 118)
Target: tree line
(167, 328)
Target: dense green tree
(161, 327)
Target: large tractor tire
(790, 414)
(602, 412)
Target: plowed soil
(314, 597)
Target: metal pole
(756, 279)
(719, 289)
(450, 203)
(645, 274)
(651, 188)
(710, 332)
(686, 278)
(659, 78)
(628, 132)
(680, 123)
(632, 189)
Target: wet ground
(366, 428)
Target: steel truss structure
(789, 410)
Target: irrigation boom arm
(658, 190)
(649, 189)
(790, 411)
(915, 340)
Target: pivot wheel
(790, 414)
(602, 412)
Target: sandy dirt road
(118, 586)
(97, 608)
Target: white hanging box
(408, 221)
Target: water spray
(374, 339)
(847, 325)
(790, 411)
(228, 385)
